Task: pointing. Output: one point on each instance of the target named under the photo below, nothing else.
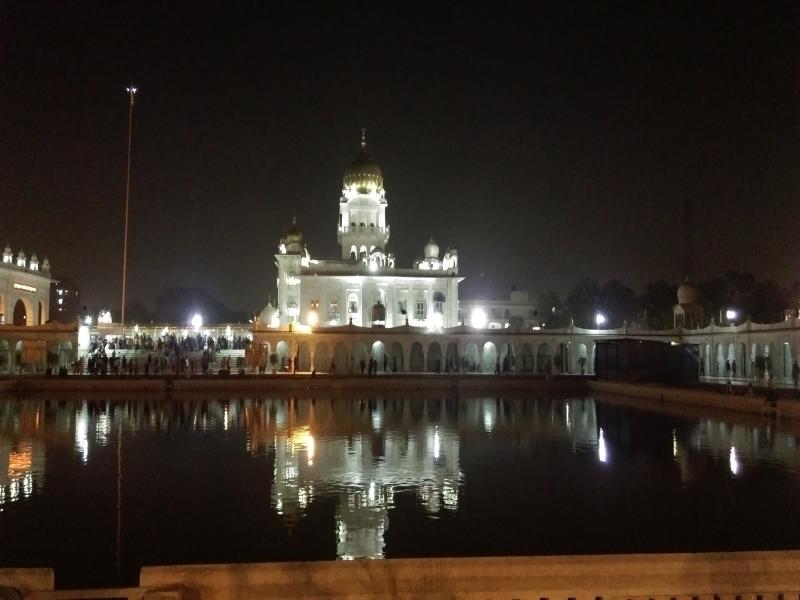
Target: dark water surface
(97, 488)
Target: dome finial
(294, 219)
(363, 138)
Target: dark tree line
(760, 301)
(176, 304)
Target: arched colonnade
(29, 349)
(429, 353)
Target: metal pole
(131, 92)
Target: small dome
(363, 174)
(267, 313)
(293, 234)
(46, 265)
(431, 249)
(687, 294)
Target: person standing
(733, 368)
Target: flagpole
(131, 93)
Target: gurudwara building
(363, 287)
(24, 289)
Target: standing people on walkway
(795, 373)
(733, 368)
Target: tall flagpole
(131, 93)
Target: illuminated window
(333, 310)
(419, 312)
(402, 306)
(438, 302)
(352, 304)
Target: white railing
(363, 229)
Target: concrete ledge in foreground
(27, 580)
(562, 577)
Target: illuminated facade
(518, 311)
(363, 287)
(24, 289)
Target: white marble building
(518, 311)
(363, 286)
(24, 289)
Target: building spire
(363, 138)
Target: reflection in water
(369, 474)
(734, 462)
(21, 459)
(82, 432)
(361, 469)
(602, 453)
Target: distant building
(518, 311)
(64, 300)
(24, 289)
(688, 312)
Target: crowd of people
(171, 342)
(166, 355)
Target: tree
(552, 311)
(767, 302)
(657, 303)
(583, 301)
(178, 304)
(138, 312)
(619, 303)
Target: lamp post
(131, 93)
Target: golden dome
(431, 249)
(293, 238)
(688, 294)
(363, 174)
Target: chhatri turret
(362, 207)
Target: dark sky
(546, 145)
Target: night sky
(546, 145)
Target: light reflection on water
(455, 460)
